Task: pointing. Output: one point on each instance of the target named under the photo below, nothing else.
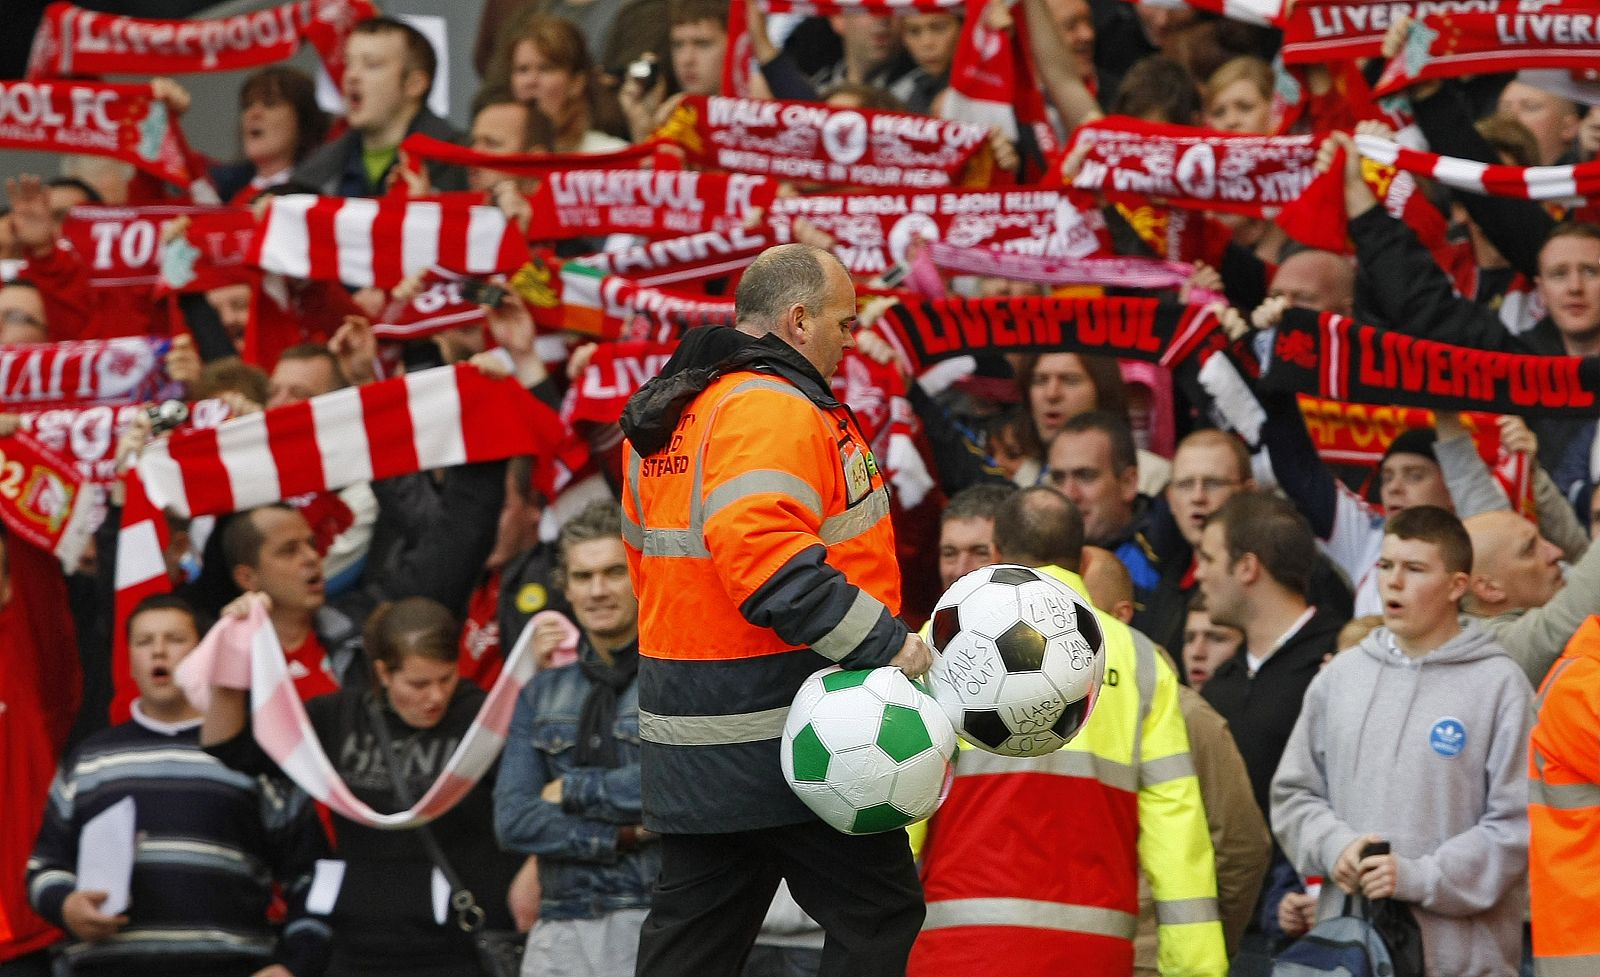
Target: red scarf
(1195, 168)
(818, 144)
(875, 230)
(615, 373)
(655, 203)
(1327, 32)
(72, 41)
(1493, 179)
(691, 258)
(992, 80)
(120, 121)
(587, 301)
(1474, 44)
(122, 245)
(128, 370)
(87, 436)
(738, 60)
(880, 8)
(423, 147)
(378, 242)
(42, 499)
(212, 253)
(437, 307)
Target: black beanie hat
(1416, 441)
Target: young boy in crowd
(1416, 738)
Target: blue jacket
(582, 873)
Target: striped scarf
(1493, 179)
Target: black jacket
(337, 170)
(1262, 711)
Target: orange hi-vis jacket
(757, 527)
(1031, 866)
(1564, 811)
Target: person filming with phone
(1405, 777)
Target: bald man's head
(1317, 280)
(1109, 584)
(1513, 567)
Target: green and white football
(867, 750)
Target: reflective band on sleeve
(776, 386)
(1563, 797)
(1178, 911)
(1585, 965)
(852, 629)
(853, 522)
(1164, 769)
(631, 533)
(761, 482)
(1033, 913)
(744, 727)
(1062, 763)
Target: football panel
(968, 673)
(845, 679)
(1030, 703)
(985, 728)
(1021, 648)
(937, 722)
(891, 685)
(1013, 575)
(847, 720)
(1088, 625)
(879, 817)
(918, 785)
(989, 610)
(811, 758)
(1047, 605)
(946, 625)
(1072, 719)
(862, 777)
(902, 735)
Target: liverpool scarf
(124, 122)
(212, 252)
(1134, 328)
(433, 419)
(818, 144)
(1118, 272)
(127, 370)
(691, 258)
(378, 242)
(1324, 32)
(655, 203)
(72, 41)
(1445, 46)
(42, 499)
(87, 436)
(615, 372)
(422, 147)
(875, 230)
(121, 245)
(1337, 358)
(244, 653)
(992, 81)
(437, 307)
(588, 301)
(1192, 167)
(1492, 179)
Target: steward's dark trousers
(714, 891)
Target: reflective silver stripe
(1549, 683)
(1034, 913)
(1164, 769)
(632, 534)
(853, 522)
(1563, 797)
(762, 481)
(776, 386)
(1144, 668)
(1584, 965)
(673, 542)
(1061, 763)
(852, 629)
(744, 727)
(1178, 911)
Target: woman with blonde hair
(1238, 97)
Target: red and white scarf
(992, 80)
(42, 498)
(244, 653)
(655, 203)
(426, 148)
(882, 8)
(1113, 272)
(615, 372)
(213, 252)
(1263, 13)
(588, 301)
(818, 144)
(433, 419)
(378, 242)
(122, 245)
(437, 307)
(1322, 32)
(691, 258)
(1196, 168)
(88, 435)
(128, 370)
(123, 122)
(874, 231)
(1524, 182)
(72, 41)
(1445, 46)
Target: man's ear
(245, 577)
(416, 84)
(1461, 583)
(1128, 483)
(1247, 568)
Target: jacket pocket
(554, 736)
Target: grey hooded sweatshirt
(1429, 754)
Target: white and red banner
(1320, 32)
(875, 230)
(1112, 272)
(1263, 13)
(1445, 46)
(124, 122)
(992, 80)
(244, 653)
(588, 301)
(42, 498)
(615, 372)
(1195, 168)
(213, 251)
(433, 419)
(437, 307)
(1581, 180)
(377, 242)
(122, 245)
(882, 8)
(74, 42)
(654, 203)
(128, 370)
(87, 436)
(691, 258)
(424, 147)
(818, 144)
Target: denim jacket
(581, 872)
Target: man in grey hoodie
(1418, 737)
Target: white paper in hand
(105, 855)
